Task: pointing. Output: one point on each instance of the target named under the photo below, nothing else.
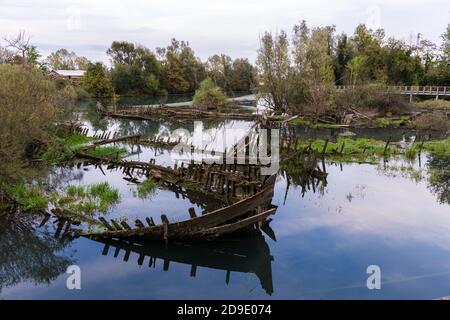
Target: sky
(232, 27)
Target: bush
(96, 82)
(435, 120)
(209, 96)
(434, 104)
(29, 107)
(372, 97)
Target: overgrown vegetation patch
(107, 153)
(371, 150)
(99, 197)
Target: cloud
(231, 27)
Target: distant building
(73, 76)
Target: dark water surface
(325, 238)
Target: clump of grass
(64, 148)
(110, 152)
(411, 152)
(381, 123)
(74, 141)
(29, 197)
(438, 147)
(390, 122)
(95, 197)
(145, 189)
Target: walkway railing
(431, 91)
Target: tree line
(291, 69)
(302, 69)
(136, 70)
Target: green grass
(371, 150)
(29, 197)
(95, 197)
(390, 122)
(75, 141)
(110, 152)
(411, 152)
(145, 189)
(438, 147)
(353, 150)
(64, 148)
(98, 197)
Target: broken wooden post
(105, 250)
(193, 271)
(192, 213)
(116, 225)
(387, 146)
(139, 223)
(106, 224)
(165, 222)
(150, 221)
(325, 148)
(141, 259)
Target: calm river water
(326, 238)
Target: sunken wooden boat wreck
(246, 213)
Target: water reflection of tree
(304, 172)
(90, 115)
(30, 253)
(439, 180)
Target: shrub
(372, 97)
(435, 120)
(28, 107)
(208, 96)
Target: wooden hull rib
(233, 227)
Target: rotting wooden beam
(150, 221)
(139, 224)
(125, 225)
(116, 225)
(106, 224)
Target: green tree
(63, 59)
(243, 76)
(181, 70)
(96, 82)
(343, 54)
(368, 43)
(359, 69)
(135, 69)
(273, 63)
(219, 69)
(209, 96)
(33, 56)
